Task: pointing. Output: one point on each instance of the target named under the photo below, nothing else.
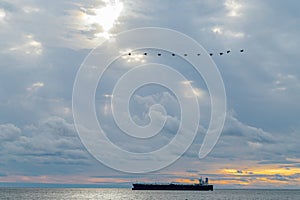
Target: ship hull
(139, 186)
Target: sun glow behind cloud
(105, 16)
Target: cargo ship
(201, 186)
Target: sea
(128, 194)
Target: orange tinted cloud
(260, 175)
(230, 182)
(264, 170)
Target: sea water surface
(128, 194)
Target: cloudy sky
(43, 44)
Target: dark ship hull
(141, 186)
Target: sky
(44, 43)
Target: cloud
(9, 132)
(30, 10)
(50, 147)
(35, 86)
(2, 15)
(233, 8)
(30, 47)
(45, 42)
(228, 33)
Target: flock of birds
(211, 54)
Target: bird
(211, 54)
(185, 54)
(173, 54)
(242, 50)
(159, 54)
(221, 53)
(145, 54)
(228, 51)
(198, 54)
(129, 54)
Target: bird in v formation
(198, 54)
